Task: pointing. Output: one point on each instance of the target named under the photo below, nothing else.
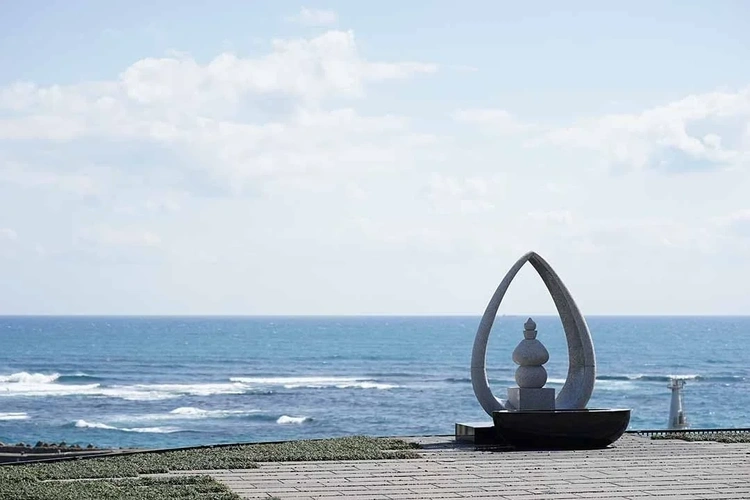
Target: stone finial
(529, 329)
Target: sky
(273, 158)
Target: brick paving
(634, 468)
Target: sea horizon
(384, 315)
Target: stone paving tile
(635, 468)
(416, 496)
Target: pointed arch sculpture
(579, 383)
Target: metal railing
(697, 432)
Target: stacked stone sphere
(530, 355)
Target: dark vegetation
(720, 437)
(120, 477)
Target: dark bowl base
(560, 429)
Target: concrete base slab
(479, 434)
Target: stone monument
(531, 376)
(531, 416)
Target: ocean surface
(169, 382)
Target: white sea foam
(154, 430)
(193, 389)
(615, 385)
(559, 381)
(13, 416)
(156, 392)
(28, 378)
(314, 382)
(132, 393)
(25, 384)
(686, 377)
(286, 419)
(19, 389)
(367, 385)
(655, 378)
(83, 424)
(198, 413)
(184, 413)
(14, 389)
(40, 384)
(604, 385)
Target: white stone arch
(579, 383)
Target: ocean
(182, 381)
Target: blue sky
(264, 157)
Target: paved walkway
(635, 467)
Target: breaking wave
(83, 424)
(13, 416)
(190, 412)
(28, 378)
(315, 382)
(556, 381)
(186, 413)
(286, 419)
(24, 384)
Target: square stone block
(531, 399)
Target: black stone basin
(560, 429)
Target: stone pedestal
(530, 356)
(531, 399)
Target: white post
(677, 418)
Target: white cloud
(315, 17)
(161, 99)
(736, 223)
(407, 236)
(614, 235)
(655, 232)
(491, 119)
(464, 195)
(76, 183)
(7, 233)
(120, 237)
(167, 201)
(697, 132)
(240, 174)
(551, 217)
(308, 143)
(153, 93)
(207, 115)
